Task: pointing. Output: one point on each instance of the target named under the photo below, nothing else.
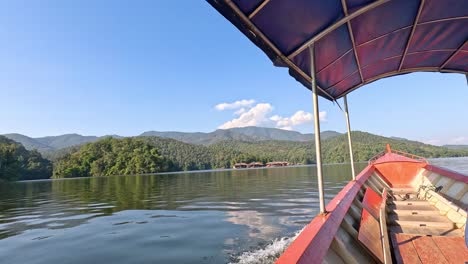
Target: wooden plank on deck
(427, 250)
(453, 248)
(404, 249)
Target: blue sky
(125, 67)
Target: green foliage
(366, 145)
(183, 156)
(17, 163)
(334, 150)
(111, 157)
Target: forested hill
(111, 156)
(250, 134)
(149, 154)
(154, 154)
(247, 134)
(52, 143)
(366, 145)
(17, 163)
(334, 150)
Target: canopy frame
(336, 25)
(453, 55)
(333, 89)
(350, 142)
(421, 5)
(353, 42)
(318, 143)
(260, 34)
(395, 73)
(258, 8)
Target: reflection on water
(206, 217)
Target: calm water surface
(244, 216)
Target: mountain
(241, 142)
(17, 163)
(334, 150)
(247, 134)
(398, 138)
(75, 155)
(52, 143)
(67, 140)
(29, 143)
(111, 156)
(456, 146)
(149, 154)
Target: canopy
(355, 41)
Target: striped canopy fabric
(355, 42)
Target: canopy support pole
(350, 143)
(318, 148)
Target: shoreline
(204, 171)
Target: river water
(238, 216)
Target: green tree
(17, 163)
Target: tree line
(17, 163)
(139, 155)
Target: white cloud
(240, 111)
(259, 115)
(299, 118)
(448, 141)
(434, 142)
(234, 105)
(458, 141)
(255, 116)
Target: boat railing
(401, 153)
(376, 157)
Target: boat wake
(266, 255)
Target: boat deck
(429, 249)
(420, 234)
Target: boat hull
(334, 237)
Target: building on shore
(260, 165)
(277, 164)
(256, 165)
(240, 166)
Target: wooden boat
(400, 208)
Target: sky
(125, 67)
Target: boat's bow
(398, 196)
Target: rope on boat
(406, 197)
(427, 188)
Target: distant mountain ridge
(160, 152)
(246, 134)
(51, 143)
(111, 156)
(456, 146)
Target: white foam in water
(268, 254)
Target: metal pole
(317, 130)
(350, 143)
